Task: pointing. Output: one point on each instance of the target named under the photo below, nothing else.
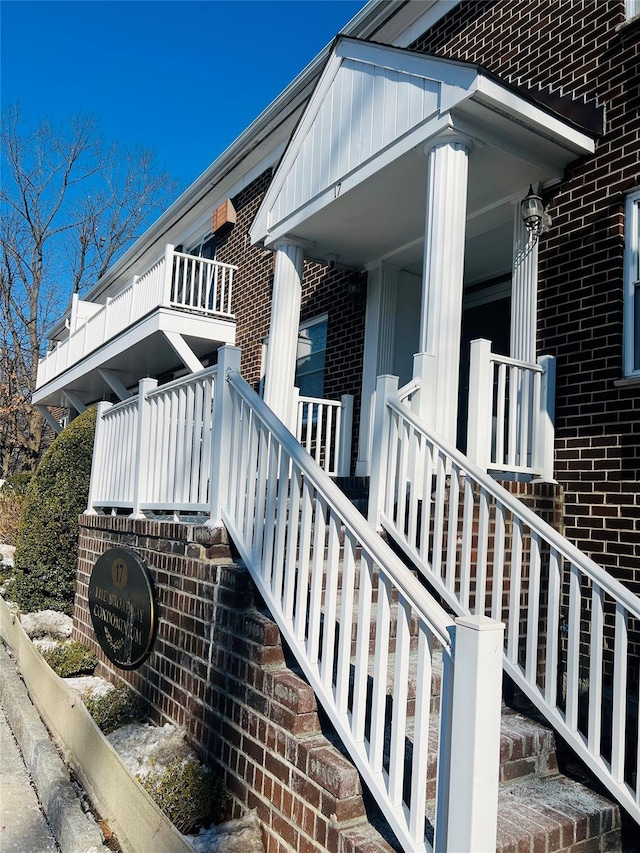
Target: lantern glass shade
(532, 210)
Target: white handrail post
(385, 387)
(346, 431)
(296, 417)
(228, 361)
(141, 459)
(472, 815)
(168, 274)
(96, 460)
(480, 409)
(545, 436)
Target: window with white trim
(632, 8)
(310, 357)
(632, 285)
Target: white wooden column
(379, 344)
(524, 291)
(283, 330)
(442, 282)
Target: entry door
(486, 313)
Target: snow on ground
(47, 623)
(6, 554)
(236, 836)
(142, 746)
(89, 685)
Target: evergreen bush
(187, 793)
(47, 543)
(116, 708)
(69, 659)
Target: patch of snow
(47, 624)
(143, 747)
(89, 685)
(236, 836)
(6, 554)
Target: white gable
(374, 103)
(368, 98)
(365, 109)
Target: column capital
(450, 136)
(381, 265)
(296, 242)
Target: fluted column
(442, 283)
(283, 330)
(379, 345)
(524, 291)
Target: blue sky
(182, 77)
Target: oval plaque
(122, 607)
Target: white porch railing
(323, 428)
(573, 632)
(511, 413)
(153, 451)
(176, 281)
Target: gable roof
(373, 103)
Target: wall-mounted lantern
(533, 215)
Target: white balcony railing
(511, 412)
(176, 280)
(323, 428)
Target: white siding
(366, 109)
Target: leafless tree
(69, 205)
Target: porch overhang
(147, 348)
(352, 179)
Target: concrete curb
(121, 800)
(75, 832)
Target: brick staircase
(541, 808)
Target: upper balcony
(175, 313)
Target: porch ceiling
(138, 352)
(353, 180)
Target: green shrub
(47, 544)
(16, 484)
(72, 658)
(115, 708)
(187, 793)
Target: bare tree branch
(69, 205)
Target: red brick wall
(218, 669)
(576, 47)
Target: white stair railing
(572, 637)
(352, 613)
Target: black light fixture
(532, 210)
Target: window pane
(310, 362)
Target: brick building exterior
(377, 230)
(581, 51)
